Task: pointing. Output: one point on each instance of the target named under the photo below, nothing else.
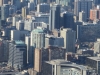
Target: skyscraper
(82, 16)
(17, 54)
(38, 38)
(67, 20)
(82, 5)
(69, 39)
(54, 19)
(3, 2)
(4, 12)
(25, 12)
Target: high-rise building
(4, 50)
(54, 19)
(31, 6)
(43, 7)
(82, 5)
(94, 14)
(4, 12)
(97, 47)
(67, 20)
(27, 42)
(25, 11)
(69, 39)
(17, 55)
(15, 19)
(51, 40)
(20, 25)
(3, 2)
(82, 16)
(38, 38)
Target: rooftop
(66, 63)
(94, 58)
(18, 42)
(38, 30)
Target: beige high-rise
(69, 39)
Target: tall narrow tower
(54, 19)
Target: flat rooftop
(94, 58)
(62, 62)
(18, 42)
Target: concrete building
(82, 5)
(82, 16)
(51, 40)
(62, 67)
(54, 19)
(17, 55)
(94, 14)
(94, 62)
(38, 38)
(43, 7)
(69, 39)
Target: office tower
(42, 18)
(69, 39)
(17, 3)
(38, 38)
(93, 62)
(94, 14)
(82, 5)
(12, 10)
(82, 16)
(64, 2)
(62, 67)
(50, 53)
(4, 49)
(4, 12)
(54, 19)
(3, 2)
(96, 2)
(15, 35)
(15, 19)
(67, 20)
(27, 42)
(51, 40)
(17, 55)
(25, 12)
(20, 25)
(43, 7)
(31, 6)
